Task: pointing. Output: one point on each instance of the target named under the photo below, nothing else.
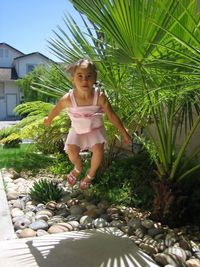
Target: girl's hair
(71, 68)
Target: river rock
(27, 233)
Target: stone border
(6, 225)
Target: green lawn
(23, 158)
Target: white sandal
(85, 184)
(71, 178)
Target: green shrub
(127, 181)
(44, 191)
(8, 142)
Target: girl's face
(84, 78)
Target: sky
(27, 25)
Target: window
(1, 52)
(6, 52)
(1, 90)
(30, 67)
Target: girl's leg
(75, 158)
(97, 156)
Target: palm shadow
(99, 248)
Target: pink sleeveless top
(85, 118)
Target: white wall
(21, 63)
(7, 54)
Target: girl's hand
(47, 121)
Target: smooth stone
(51, 205)
(100, 222)
(49, 213)
(22, 223)
(41, 232)
(147, 224)
(165, 259)
(41, 224)
(149, 249)
(197, 254)
(56, 228)
(12, 195)
(27, 233)
(193, 263)
(74, 224)
(176, 251)
(140, 232)
(72, 202)
(30, 207)
(85, 220)
(52, 222)
(73, 218)
(67, 225)
(42, 217)
(19, 204)
(17, 212)
(40, 206)
(61, 206)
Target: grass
(23, 158)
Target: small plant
(13, 142)
(44, 191)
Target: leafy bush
(44, 191)
(127, 181)
(5, 139)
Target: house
(14, 65)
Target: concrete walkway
(89, 248)
(105, 247)
(6, 226)
(5, 124)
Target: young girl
(85, 106)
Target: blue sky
(27, 24)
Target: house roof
(34, 53)
(11, 47)
(7, 74)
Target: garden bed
(77, 211)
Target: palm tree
(159, 43)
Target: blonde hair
(71, 68)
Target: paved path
(89, 248)
(4, 124)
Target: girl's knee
(99, 148)
(73, 151)
(98, 151)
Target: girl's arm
(113, 118)
(62, 103)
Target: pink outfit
(87, 124)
